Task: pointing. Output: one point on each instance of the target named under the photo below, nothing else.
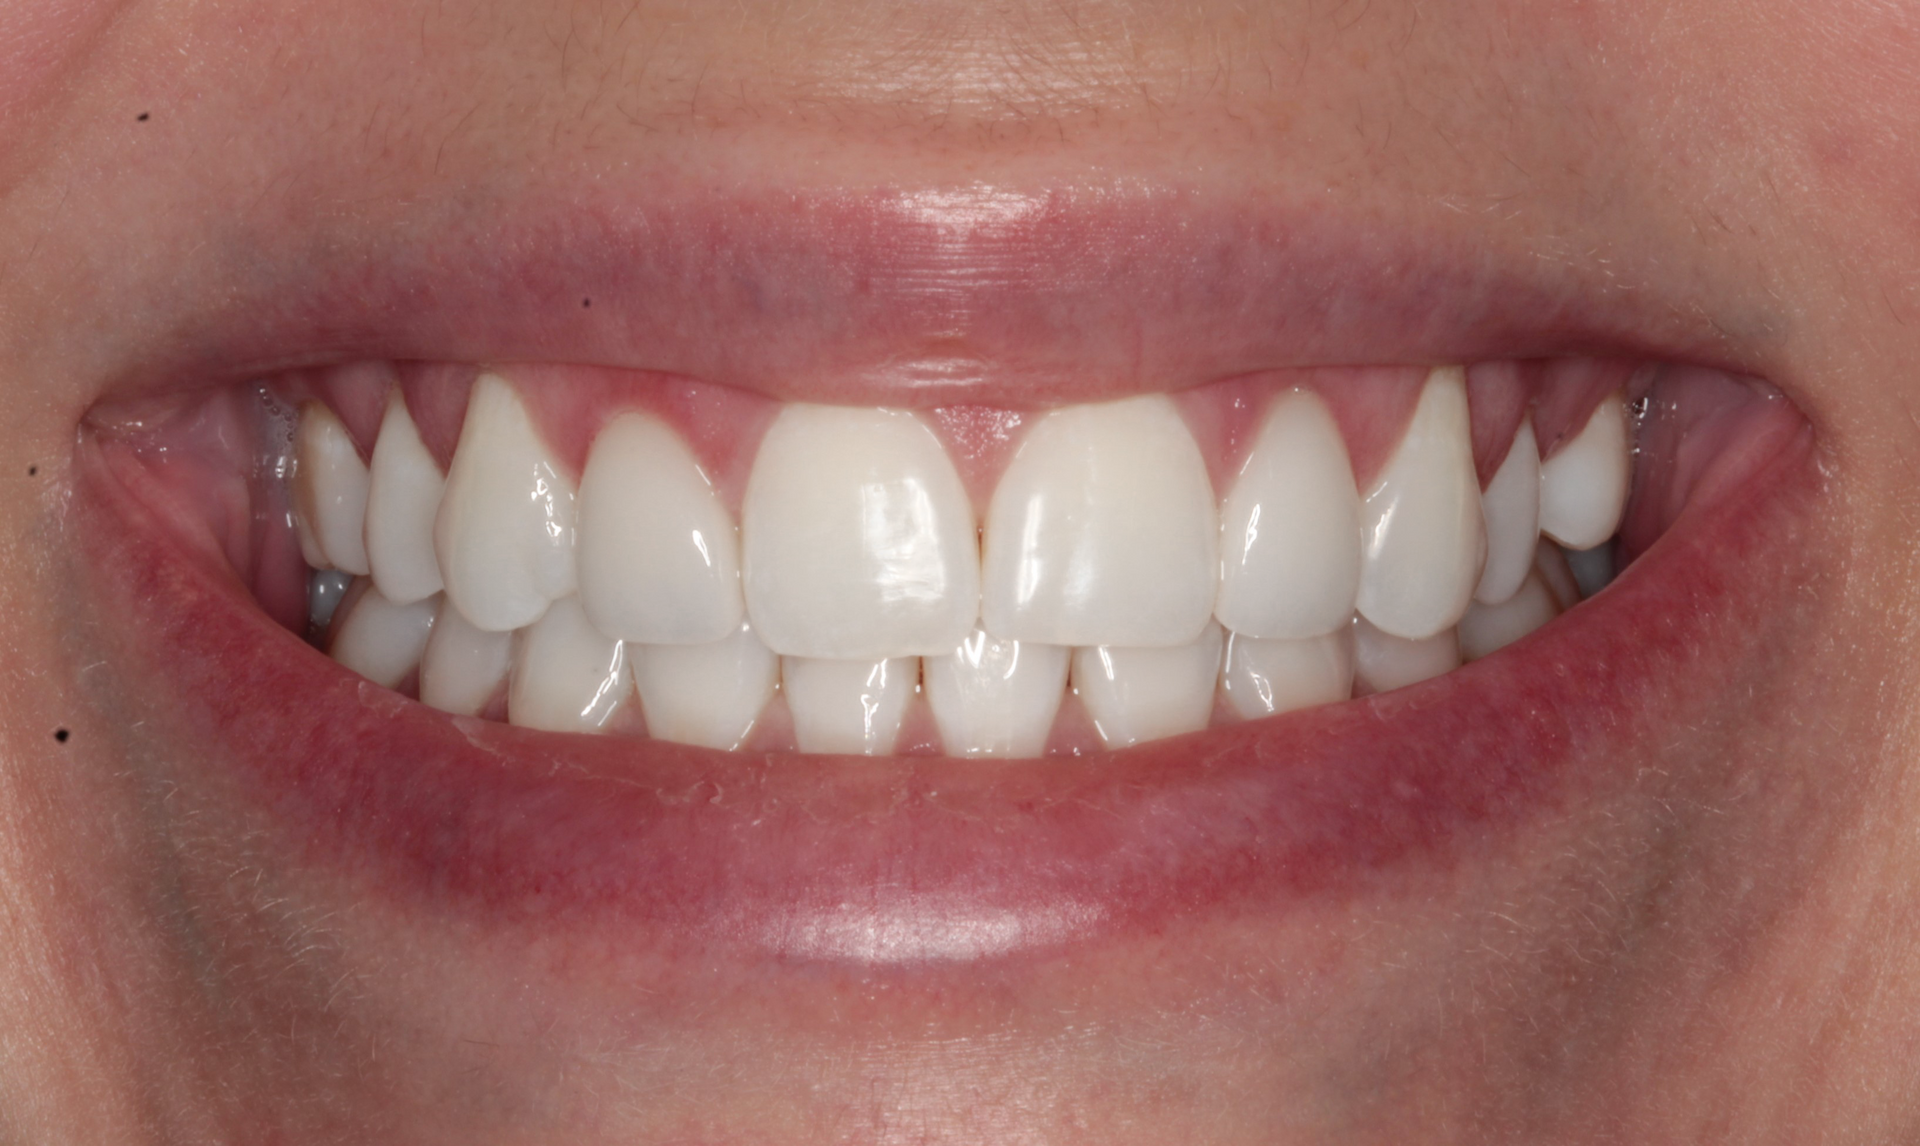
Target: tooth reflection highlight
(464, 667)
(567, 676)
(1103, 531)
(504, 533)
(403, 495)
(379, 639)
(996, 698)
(1583, 486)
(858, 540)
(847, 707)
(1264, 676)
(710, 695)
(329, 492)
(1134, 695)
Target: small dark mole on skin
(32, 470)
(586, 302)
(142, 117)
(61, 735)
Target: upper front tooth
(1135, 695)
(848, 707)
(1103, 531)
(1263, 677)
(710, 695)
(659, 562)
(1290, 529)
(379, 639)
(402, 498)
(329, 491)
(1424, 538)
(567, 675)
(1583, 486)
(504, 533)
(996, 698)
(463, 666)
(1511, 506)
(858, 541)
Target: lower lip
(928, 860)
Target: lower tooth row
(987, 698)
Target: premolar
(329, 492)
(1583, 486)
(1511, 507)
(403, 495)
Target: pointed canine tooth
(567, 676)
(848, 707)
(1511, 507)
(1583, 486)
(1290, 529)
(1103, 531)
(380, 640)
(1135, 695)
(1423, 536)
(1489, 628)
(464, 667)
(710, 695)
(996, 698)
(857, 538)
(402, 499)
(658, 556)
(504, 533)
(1383, 662)
(1266, 676)
(329, 492)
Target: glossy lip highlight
(932, 861)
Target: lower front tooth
(996, 698)
(1135, 694)
(1266, 676)
(1383, 662)
(380, 640)
(464, 667)
(710, 695)
(567, 677)
(1489, 628)
(848, 707)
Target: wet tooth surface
(329, 492)
(1103, 531)
(848, 707)
(996, 698)
(659, 561)
(1423, 535)
(567, 675)
(1489, 628)
(710, 695)
(1134, 694)
(504, 533)
(1290, 528)
(1265, 676)
(857, 538)
(1511, 507)
(1583, 486)
(1383, 662)
(403, 495)
(381, 640)
(463, 666)
(325, 589)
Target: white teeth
(1423, 535)
(402, 498)
(1511, 506)
(1136, 694)
(504, 533)
(1489, 628)
(1583, 486)
(1383, 662)
(1262, 677)
(1290, 529)
(329, 492)
(857, 538)
(464, 667)
(1103, 531)
(996, 698)
(326, 588)
(567, 676)
(710, 695)
(658, 558)
(380, 640)
(847, 707)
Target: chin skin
(1694, 927)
